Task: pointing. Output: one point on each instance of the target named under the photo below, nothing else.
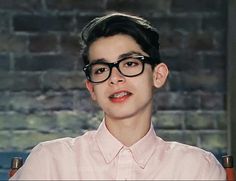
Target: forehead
(110, 48)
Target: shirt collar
(107, 143)
(110, 146)
(144, 148)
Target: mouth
(120, 96)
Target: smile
(120, 96)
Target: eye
(99, 70)
(131, 62)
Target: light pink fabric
(98, 155)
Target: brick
(12, 121)
(41, 122)
(17, 101)
(174, 81)
(200, 120)
(203, 80)
(190, 60)
(45, 62)
(180, 24)
(200, 41)
(183, 62)
(26, 102)
(82, 20)
(47, 122)
(214, 140)
(79, 64)
(95, 120)
(199, 80)
(70, 44)
(215, 23)
(43, 43)
(168, 120)
(197, 5)
(172, 39)
(78, 121)
(213, 101)
(220, 40)
(13, 43)
(214, 61)
(171, 135)
(141, 7)
(4, 62)
(68, 120)
(92, 119)
(83, 102)
(23, 5)
(63, 80)
(222, 120)
(173, 61)
(176, 101)
(50, 101)
(19, 81)
(55, 101)
(38, 23)
(4, 22)
(69, 5)
(27, 139)
(4, 139)
(191, 138)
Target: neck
(129, 130)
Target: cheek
(144, 84)
(99, 93)
(148, 84)
(148, 79)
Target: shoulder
(202, 163)
(189, 153)
(66, 144)
(185, 149)
(51, 158)
(59, 143)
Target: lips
(120, 96)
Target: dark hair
(117, 23)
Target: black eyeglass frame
(142, 58)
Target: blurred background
(42, 92)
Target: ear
(160, 74)
(90, 88)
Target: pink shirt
(98, 155)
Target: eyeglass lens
(129, 66)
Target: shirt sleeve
(36, 166)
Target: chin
(118, 114)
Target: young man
(123, 67)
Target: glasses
(130, 66)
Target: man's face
(121, 96)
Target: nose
(116, 77)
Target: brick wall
(42, 93)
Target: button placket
(124, 165)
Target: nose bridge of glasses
(116, 65)
(117, 72)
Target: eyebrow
(103, 60)
(128, 54)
